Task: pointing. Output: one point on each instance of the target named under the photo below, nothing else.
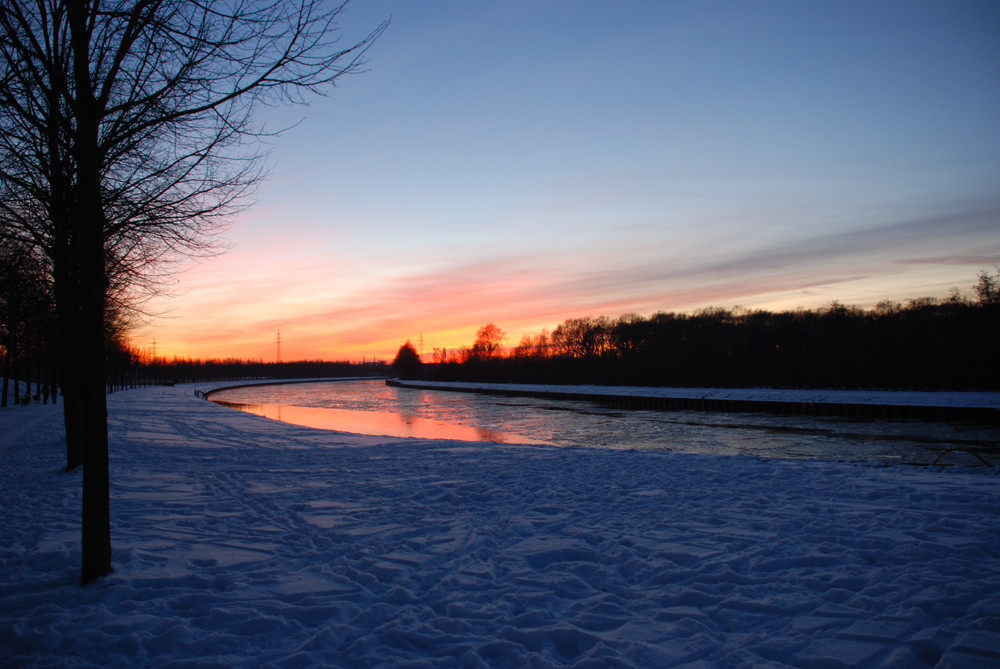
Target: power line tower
(278, 357)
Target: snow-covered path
(240, 541)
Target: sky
(523, 162)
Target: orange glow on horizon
(314, 343)
(324, 316)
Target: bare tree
(583, 337)
(988, 287)
(127, 137)
(25, 314)
(534, 347)
(489, 342)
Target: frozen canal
(371, 407)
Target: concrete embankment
(205, 390)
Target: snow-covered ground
(240, 541)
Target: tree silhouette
(929, 343)
(988, 287)
(407, 362)
(126, 134)
(489, 342)
(26, 314)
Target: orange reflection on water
(377, 423)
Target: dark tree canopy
(407, 363)
(923, 345)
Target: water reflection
(371, 407)
(379, 423)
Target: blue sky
(526, 162)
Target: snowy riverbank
(240, 541)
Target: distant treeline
(127, 369)
(926, 344)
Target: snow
(244, 542)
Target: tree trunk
(69, 363)
(90, 381)
(6, 376)
(17, 381)
(84, 399)
(87, 230)
(94, 428)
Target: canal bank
(979, 407)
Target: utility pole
(278, 357)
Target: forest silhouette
(926, 344)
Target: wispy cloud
(324, 307)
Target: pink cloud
(336, 306)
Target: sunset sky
(528, 161)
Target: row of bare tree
(27, 322)
(29, 332)
(131, 369)
(927, 343)
(126, 136)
